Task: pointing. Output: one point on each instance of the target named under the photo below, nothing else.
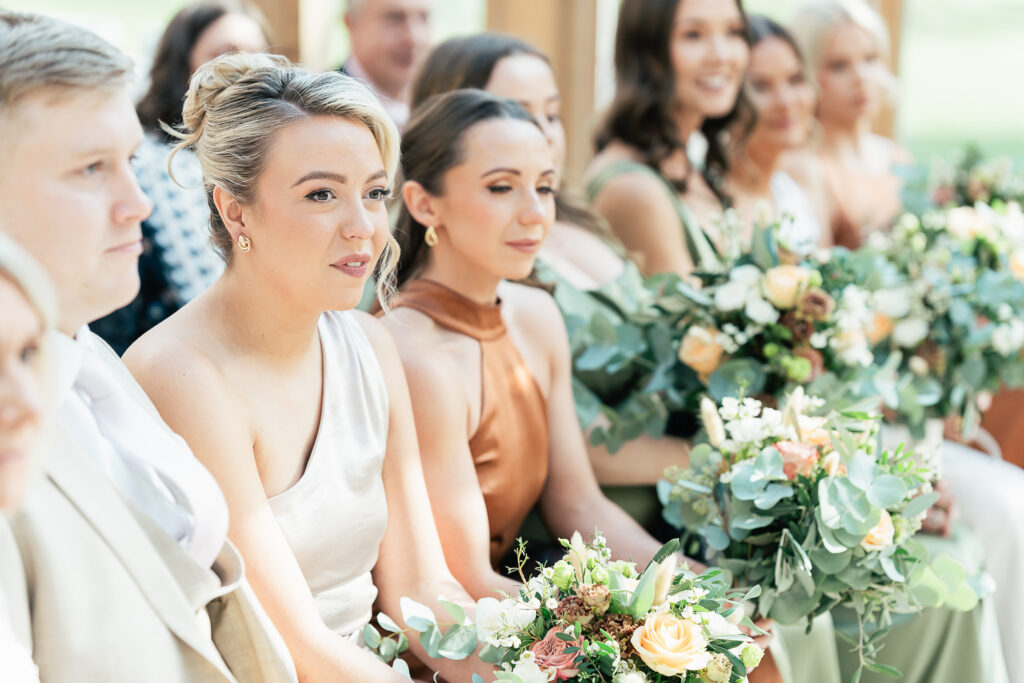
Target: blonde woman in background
(846, 45)
(295, 402)
(28, 311)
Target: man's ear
(422, 206)
(230, 212)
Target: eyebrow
(336, 177)
(501, 170)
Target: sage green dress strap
(702, 251)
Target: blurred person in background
(679, 69)
(28, 312)
(388, 40)
(783, 102)
(178, 261)
(846, 44)
(126, 525)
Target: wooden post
(566, 31)
(302, 29)
(892, 14)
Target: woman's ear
(422, 206)
(230, 212)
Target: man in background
(389, 39)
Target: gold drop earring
(430, 236)
(245, 244)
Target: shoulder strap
(702, 252)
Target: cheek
(685, 60)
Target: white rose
(529, 672)
(719, 626)
(910, 332)
(760, 311)
(852, 347)
(894, 303)
(731, 296)
(748, 275)
(1008, 337)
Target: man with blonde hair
(389, 39)
(118, 567)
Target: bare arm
(641, 214)
(411, 561)
(195, 401)
(641, 461)
(458, 504)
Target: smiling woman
(296, 403)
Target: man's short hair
(38, 53)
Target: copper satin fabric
(510, 445)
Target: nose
(133, 206)
(536, 210)
(358, 225)
(20, 402)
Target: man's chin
(116, 297)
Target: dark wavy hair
(168, 78)
(468, 62)
(432, 144)
(642, 111)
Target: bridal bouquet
(968, 177)
(588, 618)
(950, 321)
(802, 504)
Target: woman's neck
(458, 275)
(843, 137)
(255, 318)
(752, 175)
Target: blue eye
(92, 168)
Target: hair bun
(215, 77)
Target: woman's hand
(940, 517)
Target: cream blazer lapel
(154, 573)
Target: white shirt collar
(68, 353)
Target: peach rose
(881, 536)
(783, 285)
(670, 645)
(797, 458)
(964, 222)
(879, 328)
(550, 653)
(1017, 264)
(701, 351)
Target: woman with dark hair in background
(679, 65)
(783, 101)
(178, 262)
(579, 256)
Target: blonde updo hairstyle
(237, 103)
(814, 23)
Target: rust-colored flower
(574, 610)
(620, 627)
(934, 355)
(595, 596)
(550, 653)
(816, 304)
(801, 327)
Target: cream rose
(881, 536)
(879, 328)
(670, 645)
(833, 465)
(700, 350)
(1017, 264)
(783, 285)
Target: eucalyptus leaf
(457, 643)
(401, 667)
(886, 491)
(416, 615)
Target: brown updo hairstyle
(235, 106)
(642, 113)
(468, 62)
(432, 144)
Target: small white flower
(918, 366)
(1008, 337)
(1005, 312)
(819, 340)
(551, 604)
(731, 296)
(548, 573)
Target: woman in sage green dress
(587, 267)
(940, 645)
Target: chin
(119, 294)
